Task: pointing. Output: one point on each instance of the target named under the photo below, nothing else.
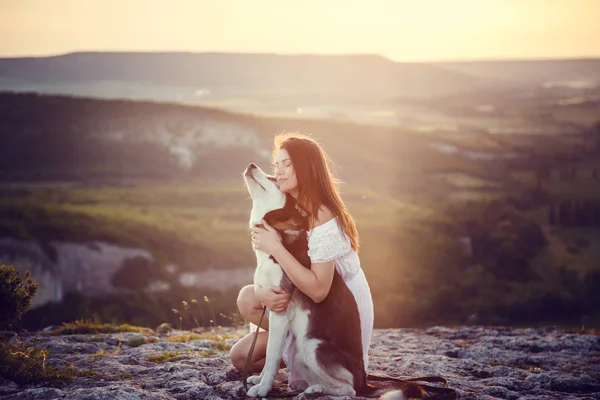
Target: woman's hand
(274, 298)
(266, 239)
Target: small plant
(26, 365)
(164, 329)
(236, 319)
(188, 314)
(136, 341)
(194, 301)
(223, 347)
(214, 319)
(16, 292)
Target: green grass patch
(27, 365)
(87, 327)
(183, 338)
(168, 356)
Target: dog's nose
(249, 169)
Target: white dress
(328, 242)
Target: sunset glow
(402, 30)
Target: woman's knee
(246, 300)
(238, 354)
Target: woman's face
(285, 173)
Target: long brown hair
(317, 186)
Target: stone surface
(481, 362)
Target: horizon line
(415, 61)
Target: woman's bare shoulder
(324, 215)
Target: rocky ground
(481, 362)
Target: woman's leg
(239, 352)
(251, 309)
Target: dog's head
(278, 209)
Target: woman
(301, 170)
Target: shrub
(164, 329)
(136, 341)
(16, 292)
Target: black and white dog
(328, 346)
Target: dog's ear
(275, 217)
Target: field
(455, 225)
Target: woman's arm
(314, 282)
(274, 298)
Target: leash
(251, 351)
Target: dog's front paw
(260, 390)
(315, 389)
(312, 392)
(254, 379)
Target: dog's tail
(390, 388)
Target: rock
(7, 386)
(480, 362)
(38, 394)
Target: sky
(401, 30)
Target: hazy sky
(402, 30)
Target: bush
(16, 292)
(136, 274)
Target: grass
(183, 338)
(195, 227)
(26, 365)
(189, 222)
(168, 356)
(219, 339)
(91, 327)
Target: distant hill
(191, 76)
(60, 138)
(47, 138)
(570, 73)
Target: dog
(328, 346)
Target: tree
(135, 274)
